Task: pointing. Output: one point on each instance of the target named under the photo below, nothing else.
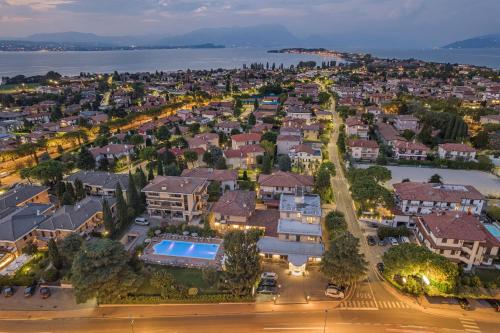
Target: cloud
(422, 22)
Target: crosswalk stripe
(469, 325)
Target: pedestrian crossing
(470, 325)
(373, 305)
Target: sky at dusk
(424, 22)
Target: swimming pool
(493, 229)
(186, 249)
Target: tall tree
(101, 270)
(151, 174)
(54, 255)
(284, 163)
(323, 186)
(121, 208)
(242, 261)
(107, 217)
(159, 168)
(267, 163)
(79, 190)
(190, 156)
(85, 160)
(133, 198)
(342, 263)
(69, 246)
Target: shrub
(209, 275)
(192, 291)
(50, 275)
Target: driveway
(295, 289)
(136, 234)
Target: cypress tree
(151, 175)
(448, 128)
(79, 190)
(107, 217)
(159, 170)
(71, 190)
(54, 255)
(455, 129)
(121, 206)
(133, 198)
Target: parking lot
(295, 289)
(60, 299)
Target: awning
(297, 259)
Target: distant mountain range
(268, 36)
(260, 36)
(480, 42)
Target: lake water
(71, 63)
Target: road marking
(292, 328)
(470, 325)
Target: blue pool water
(493, 229)
(186, 249)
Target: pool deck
(149, 255)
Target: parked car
(45, 292)
(465, 304)
(393, 241)
(268, 283)
(404, 239)
(8, 291)
(371, 240)
(381, 242)
(267, 290)
(141, 221)
(380, 267)
(29, 290)
(335, 291)
(269, 275)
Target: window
(445, 240)
(268, 256)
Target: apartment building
(456, 151)
(356, 127)
(366, 150)
(410, 151)
(299, 233)
(273, 185)
(176, 198)
(424, 198)
(459, 237)
(406, 122)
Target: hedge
(203, 298)
(384, 231)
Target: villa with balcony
(458, 236)
(180, 199)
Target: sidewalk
(165, 310)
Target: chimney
(107, 149)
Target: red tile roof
(436, 192)
(246, 137)
(460, 147)
(454, 225)
(211, 174)
(236, 203)
(286, 179)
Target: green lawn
(189, 277)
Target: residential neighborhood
(264, 184)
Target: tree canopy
(242, 262)
(342, 263)
(101, 270)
